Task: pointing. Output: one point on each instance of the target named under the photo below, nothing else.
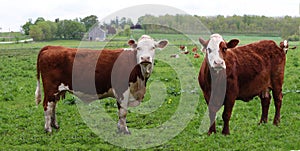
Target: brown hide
(251, 70)
(93, 72)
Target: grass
(176, 89)
(12, 36)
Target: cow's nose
(218, 62)
(145, 58)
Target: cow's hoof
(263, 120)
(225, 133)
(48, 130)
(210, 132)
(56, 126)
(276, 122)
(124, 131)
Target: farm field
(175, 81)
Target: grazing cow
(196, 55)
(182, 47)
(195, 49)
(174, 56)
(230, 73)
(120, 73)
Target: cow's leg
(228, 105)
(53, 117)
(212, 116)
(49, 111)
(122, 126)
(265, 98)
(277, 83)
(277, 95)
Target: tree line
(286, 27)
(42, 29)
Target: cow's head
(214, 48)
(145, 48)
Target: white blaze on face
(213, 53)
(285, 43)
(145, 49)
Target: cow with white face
(146, 51)
(215, 48)
(251, 70)
(119, 73)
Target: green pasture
(22, 122)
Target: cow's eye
(138, 48)
(153, 48)
(224, 49)
(209, 50)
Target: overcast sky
(14, 13)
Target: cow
(195, 49)
(184, 49)
(196, 55)
(120, 73)
(230, 72)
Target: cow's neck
(137, 86)
(146, 70)
(139, 73)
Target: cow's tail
(285, 46)
(38, 96)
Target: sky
(14, 13)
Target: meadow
(173, 83)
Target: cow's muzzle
(219, 65)
(146, 68)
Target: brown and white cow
(230, 73)
(120, 73)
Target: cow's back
(253, 66)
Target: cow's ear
(162, 44)
(132, 43)
(232, 43)
(204, 43)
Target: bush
(293, 38)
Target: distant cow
(195, 49)
(120, 73)
(230, 73)
(196, 55)
(182, 47)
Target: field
(179, 111)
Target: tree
(68, 29)
(127, 31)
(26, 26)
(89, 21)
(39, 19)
(36, 33)
(43, 30)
